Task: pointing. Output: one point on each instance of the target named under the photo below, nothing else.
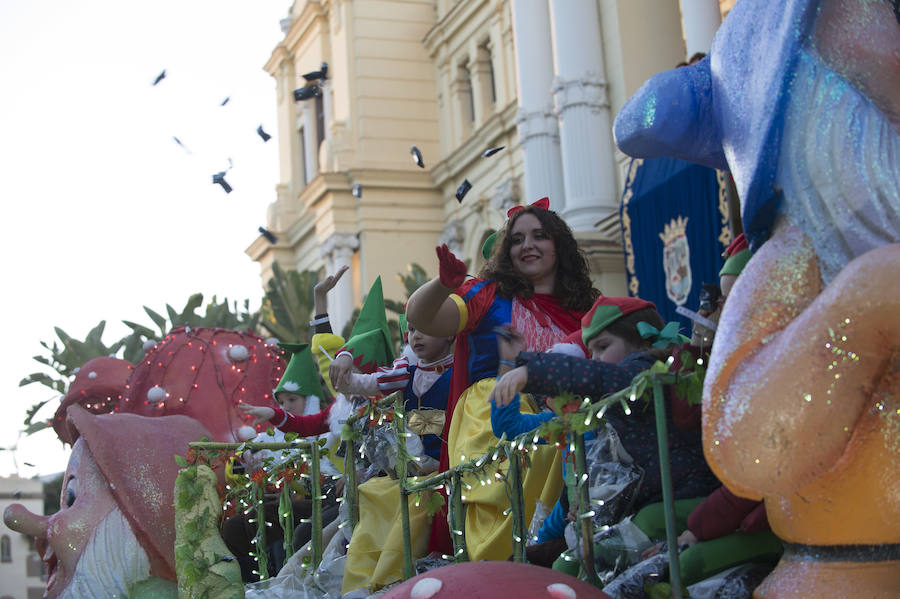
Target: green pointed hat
(300, 376)
(736, 256)
(370, 339)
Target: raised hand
(260, 413)
(320, 291)
(328, 283)
(452, 271)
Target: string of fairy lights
(187, 362)
(302, 459)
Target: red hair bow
(543, 203)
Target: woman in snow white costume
(537, 279)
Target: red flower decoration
(259, 477)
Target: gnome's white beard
(112, 562)
(841, 182)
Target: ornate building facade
(543, 78)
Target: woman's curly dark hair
(573, 282)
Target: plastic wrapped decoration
(614, 478)
(297, 581)
(633, 582)
(735, 583)
(379, 445)
(540, 514)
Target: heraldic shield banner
(675, 227)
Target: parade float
(800, 101)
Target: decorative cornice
(310, 18)
(338, 242)
(587, 91)
(279, 55)
(452, 22)
(537, 123)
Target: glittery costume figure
(115, 532)
(801, 100)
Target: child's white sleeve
(362, 384)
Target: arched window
(5, 549)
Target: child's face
(428, 348)
(291, 402)
(606, 347)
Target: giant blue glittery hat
(726, 111)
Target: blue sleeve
(511, 421)
(554, 525)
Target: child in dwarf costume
(301, 380)
(625, 336)
(375, 554)
(299, 392)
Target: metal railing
(514, 452)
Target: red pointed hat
(98, 387)
(607, 310)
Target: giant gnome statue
(115, 533)
(800, 99)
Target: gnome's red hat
(98, 387)
(136, 454)
(205, 373)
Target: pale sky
(104, 212)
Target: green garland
(203, 563)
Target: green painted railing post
(665, 472)
(262, 558)
(316, 507)
(286, 517)
(586, 512)
(517, 504)
(402, 458)
(351, 493)
(457, 513)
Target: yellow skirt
(375, 553)
(488, 530)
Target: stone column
(480, 69)
(583, 111)
(463, 100)
(700, 19)
(310, 151)
(538, 129)
(337, 251)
